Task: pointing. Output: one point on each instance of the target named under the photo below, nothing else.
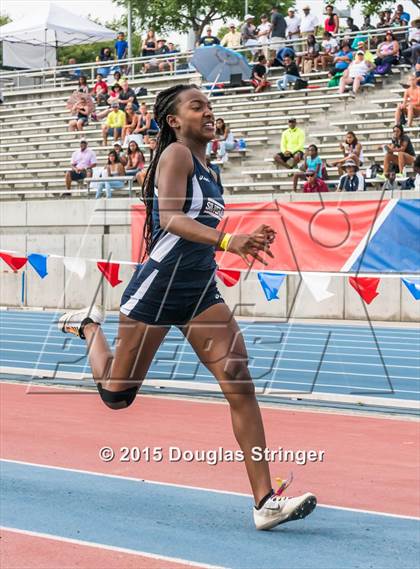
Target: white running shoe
(72, 322)
(280, 509)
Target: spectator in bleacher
(148, 47)
(163, 49)
(278, 61)
(314, 183)
(223, 141)
(152, 148)
(105, 55)
(400, 152)
(100, 90)
(208, 39)
(342, 59)
(249, 33)
(72, 74)
(259, 75)
(121, 46)
(135, 162)
(329, 49)
(367, 24)
(384, 21)
(82, 162)
(114, 124)
(131, 122)
(292, 146)
(391, 183)
(291, 73)
(361, 46)
(122, 157)
(350, 26)
(114, 168)
(293, 25)
(358, 73)
(278, 29)
(312, 162)
(410, 107)
(388, 51)
(412, 52)
(310, 54)
(263, 33)
(352, 180)
(80, 118)
(154, 65)
(232, 39)
(82, 85)
(308, 23)
(128, 95)
(171, 61)
(332, 22)
(352, 151)
(400, 14)
(147, 126)
(116, 79)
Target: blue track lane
(282, 355)
(202, 526)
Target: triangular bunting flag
(366, 287)
(39, 263)
(318, 285)
(228, 276)
(75, 265)
(14, 263)
(110, 272)
(413, 286)
(271, 283)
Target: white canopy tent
(32, 41)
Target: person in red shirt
(314, 184)
(100, 90)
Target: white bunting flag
(75, 265)
(318, 285)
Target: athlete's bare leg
(218, 342)
(136, 347)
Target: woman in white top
(355, 73)
(263, 33)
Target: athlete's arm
(175, 166)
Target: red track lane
(370, 463)
(21, 551)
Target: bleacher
(35, 146)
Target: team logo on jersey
(214, 208)
(203, 178)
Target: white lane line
(97, 545)
(189, 487)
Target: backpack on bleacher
(383, 69)
(140, 91)
(300, 84)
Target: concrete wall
(101, 229)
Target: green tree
(172, 15)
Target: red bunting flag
(228, 277)
(366, 287)
(110, 272)
(14, 263)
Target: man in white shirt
(293, 24)
(233, 38)
(308, 22)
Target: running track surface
(352, 361)
(63, 507)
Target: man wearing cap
(291, 146)
(120, 152)
(208, 39)
(233, 38)
(308, 22)
(114, 124)
(352, 180)
(249, 32)
(293, 24)
(82, 162)
(278, 29)
(314, 183)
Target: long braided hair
(165, 104)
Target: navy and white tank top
(204, 203)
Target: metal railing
(133, 67)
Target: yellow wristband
(225, 241)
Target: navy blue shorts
(158, 296)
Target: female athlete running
(176, 286)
